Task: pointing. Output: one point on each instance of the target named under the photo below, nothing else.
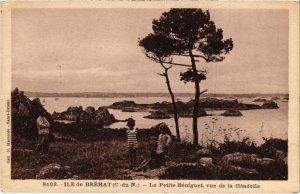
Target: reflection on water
(254, 123)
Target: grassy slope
(98, 157)
(96, 160)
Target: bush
(271, 145)
(244, 146)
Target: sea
(254, 124)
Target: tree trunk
(173, 103)
(196, 103)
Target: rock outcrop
(243, 159)
(71, 114)
(203, 152)
(24, 114)
(102, 114)
(270, 104)
(89, 116)
(206, 161)
(56, 171)
(232, 113)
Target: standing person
(163, 142)
(132, 142)
(43, 130)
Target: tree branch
(178, 64)
(161, 74)
(185, 55)
(162, 64)
(203, 91)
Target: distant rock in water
(158, 115)
(189, 113)
(214, 103)
(89, 116)
(24, 114)
(270, 104)
(128, 109)
(275, 98)
(232, 113)
(122, 104)
(260, 100)
(183, 108)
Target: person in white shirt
(163, 142)
(43, 130)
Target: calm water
(254, 123)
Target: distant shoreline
(119, 95)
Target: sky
(95, 50)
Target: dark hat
(130, 122)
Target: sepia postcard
(150, 96)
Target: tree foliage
(188, 76)
(159, 48)
(192, 29)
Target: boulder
(158, 115)
(204, 152)
(270, 104)
(238, 158)
(243, 159)
(232, 113)
(206, 161)
(56, 171)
